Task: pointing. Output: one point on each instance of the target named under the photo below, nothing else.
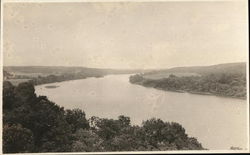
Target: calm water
(217, 122)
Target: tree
(51, 130)
(25, 92)
(8, 96)
(86, 140)
(125, 121)
(76, 118)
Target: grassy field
(33, 75)
(15, 82)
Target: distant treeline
(59, 78)
(54, 70)
(221, 84)
(51, 78)
(49, 74)
(34, 124)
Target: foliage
(76, 119)
(17, 139)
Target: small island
(51, 86)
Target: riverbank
(191, 92)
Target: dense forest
(32, 123)
(221, 84)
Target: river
(217, 122)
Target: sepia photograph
(122, 76)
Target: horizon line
(123, 68)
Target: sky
(124, 35)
